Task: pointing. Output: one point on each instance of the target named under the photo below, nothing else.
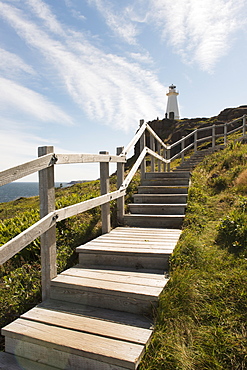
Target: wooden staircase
(161, 200)
(100, 312)
(99, 315)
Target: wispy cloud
(118, 21)
(22, 99)
(106, 86)
(200, 31)
(11, 63)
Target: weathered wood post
(195, 140)
(158, 150)
(213, 136)
(48, 239)
(152, 147)
(104, 189)
(182, 149)
(225, 133)
(165, 157)
(168, 156)
(120, 179)
(142, 146)
(244, 125)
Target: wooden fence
(158, 152)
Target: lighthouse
(172, 104)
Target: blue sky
(80, 74)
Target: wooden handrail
(25, 169)
(45, 165)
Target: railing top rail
(157, 137)
(25, 169)
(38, 164)
(137, 136)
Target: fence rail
(158, 152)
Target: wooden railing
(158, 153)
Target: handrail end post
(48, 239)
(120, 179)
(104, 189)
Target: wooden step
(166, 182)
(77, 337)
(64, 348)
(160, 198)
(159, 221)
(168, 175)
(163, 189)
(132, 248)
(107, 292)
(158, 209)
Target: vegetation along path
(100, 312)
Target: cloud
(107, 87)
(17, 97)
(200, 31)
(11, 63)
(118, 21)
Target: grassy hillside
(202, 316)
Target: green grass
(201, 321)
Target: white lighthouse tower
(172, 104)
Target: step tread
(105, 286)
(120, 317)
(119, 248)
(89, 325)
(118, 276)
(83, 344)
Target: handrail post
(225, 133)
(120, 179)
(244, 125)
(142, 146)
(152, 147)
(48, 239)
(159, 162)
(182, 149)
(213, 136)
(104, 189)
(168, 156)
(195, 140)
(165, 157)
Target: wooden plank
(116, 277)
(135, 239)
(119, 317)
(150, 274)
(128, 250)
(25, 169)
(104, 189)
(73, 342)
(137, 136)
(134, 169)
(20, 241)
(89, 325)
(145, 231)
(139, 248)
(48, 238)
(88, 204)
(89, 158)
(125, 259)
(106, 287)
(58, 358)
(13, 362)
